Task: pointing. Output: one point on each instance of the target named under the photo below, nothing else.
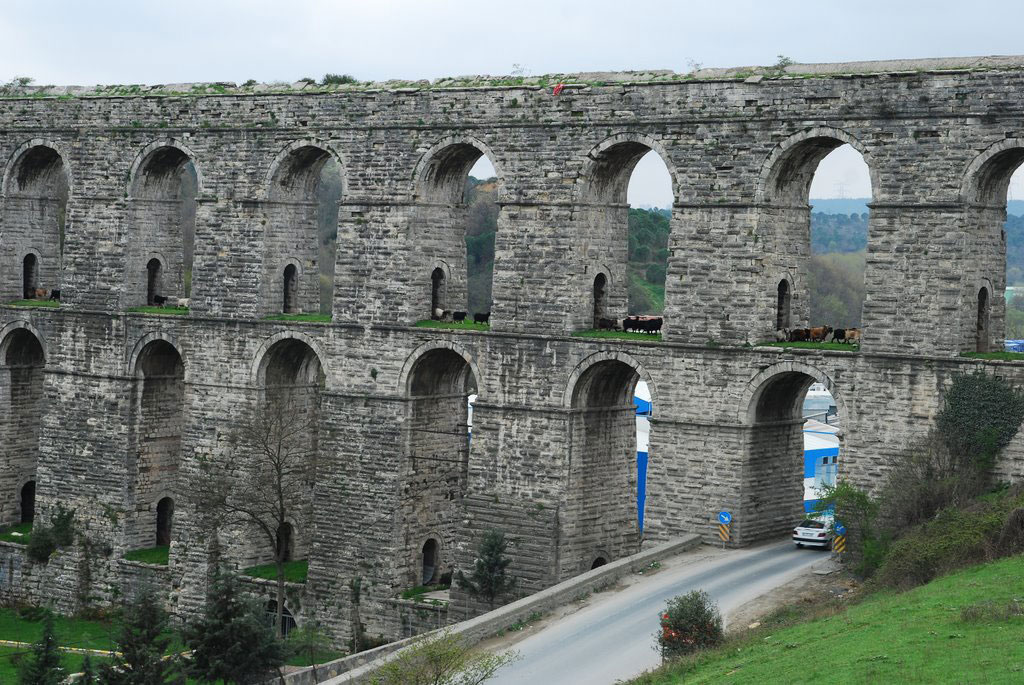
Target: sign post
(839, 541)
(724, 523)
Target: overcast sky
(141, 41)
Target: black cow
(839, 335)
(630, 323)
(459, 317)
(55, 294)
(159, 300)
(482, 318)
(607, 324)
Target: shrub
(444, 660)
(46, 539)
(337, 79)
(689, 622)
(979, 416)
(41, 545)
(866, 542)
(490, 579)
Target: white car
(813, 533)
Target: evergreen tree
(43, 667)
(490, 579)
(88, 675)
(143, 640)
(233, 641)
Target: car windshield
(808, 523)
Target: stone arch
(132, 362)
(787, 172)
(753, 392)
(573, 387)
(295, 164)
(404, 385)
(6, 337)
(161, 157)
(440, 173)
(987, 178)
(16, 171)
(784, 287)
(257, 370)
(609, 164)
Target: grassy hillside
(967, 627)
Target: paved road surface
(611, 639)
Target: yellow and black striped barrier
(839, 544)
(723, 532)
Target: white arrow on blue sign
(724, 517)
(840, 529)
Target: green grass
(420, 590)
(310, 318)
(71, 632)
(921, 636)
(320, 657)
(623, 335)
(34, 303)
(23, 531)
(294, 571)
(467, 325)
(153, 555)
(166, 311)
(1003, 356)
(9, 672)
(655, 293)
(813, 345)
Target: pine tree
(143, 641)
(43, 667)
(88, 674)
(233, 641)
(490, 579)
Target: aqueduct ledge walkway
(112, 412)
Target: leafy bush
(46, 539)
(41, 545)
(689, 622)
(867, 543)
(444, 660)
(979, 417)
(337, 79)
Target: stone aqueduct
(110, 411)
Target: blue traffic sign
(840, 529)
(724, 517)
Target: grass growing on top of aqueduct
(967, 627)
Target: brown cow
(799, 334)
(853, 335)
(819, 333)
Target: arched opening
(28, 502)
(21, 406)
(282, 435)
(598, 562)
(627, 196)
(153, 285)
(600, 299)
(29, 276)
(302, 214)
(814, 227)
(34, 212)
(430, 562)
(164, 520)
(792, 451)
(440, 385)
(982, 337)
(290, 282)
(437, 292)
(601, 505)
(159, 423)
(782, 309)
(456, 224)
(287, 620)
(164, 191)
(285, 542)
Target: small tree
(309, 642)
(980, 415)
(490, 579)
(689, 622)
(270, 467)
(232, 641)
(43, 667)
(142, 642)
(88, 673)
(445, 660)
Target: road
(612, 638)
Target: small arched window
(782, 307)
(29, 276)
(430, 559)
(285, 543)
(598, 562)
(600, 298)
(291, 289)
(437, 294)
(164, 518)
(153, 269)
(28, 502)
(981, 333)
